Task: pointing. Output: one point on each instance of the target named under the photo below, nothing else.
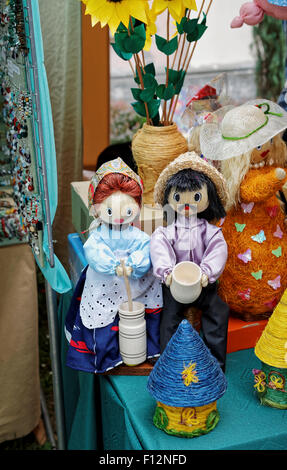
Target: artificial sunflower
(150, 31)
(175, 7)
(114, 12)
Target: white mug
(186, 282)
(132, 333)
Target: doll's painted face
(189, 203)
(117, 209)
(262, 155)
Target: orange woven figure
(255, 275)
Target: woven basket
(153, 149)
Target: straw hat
(190, 160)
(242, 129)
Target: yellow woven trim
(189, 374)
(187, 419)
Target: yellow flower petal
(190, 4)
(114, 22)
(138, 10)
(112, 13)
(158, 6)
(123, 13)
(92, 6)
(176, 10)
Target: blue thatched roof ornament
(186, 382)
(186, 351)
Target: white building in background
(220, 49)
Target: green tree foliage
(270, 47)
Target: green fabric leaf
(176, 78)
(139, 108)
(149, 69)
(180, 25)
(121, 54)
(190, 26)
(160, 91)
(121, 28)
(147, 95)
(165, 93)
(153, 107)
(194, 29)
(136, 92)
(132, 42)
(149, 81)
(167, 47)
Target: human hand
(204, 280)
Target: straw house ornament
(186, 382)
(271, 349)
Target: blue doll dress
(91, 324)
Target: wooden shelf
(142, 369)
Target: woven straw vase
(153, 149)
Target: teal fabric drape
(62, 46)
(56, 275)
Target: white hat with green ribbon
(242, 129)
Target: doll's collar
(188, 222)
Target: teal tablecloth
(115, 412)
(80, 395)
(128, 408)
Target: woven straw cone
(153, 149)
(271, 348)
(193, 161)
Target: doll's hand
(119, 270)
(204, 280)
(280, 173)
(168, 280)
(129, 270)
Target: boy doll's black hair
(191, 180)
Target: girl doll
(253, 158)
(193, 194)
(115, 195)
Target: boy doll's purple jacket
(188, 239)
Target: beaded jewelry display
(186, 383)
(18, 164)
